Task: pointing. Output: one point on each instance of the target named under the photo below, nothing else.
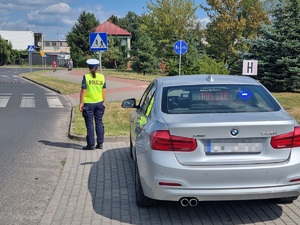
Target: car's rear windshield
(217, 99)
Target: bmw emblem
(234, 132)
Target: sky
(55, 18)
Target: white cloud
(204, 21)
(17, 25)
(26, 4)
(57, 8)
(5, 7)
(56, 14)
(100, 13)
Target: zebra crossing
(4, 79)
(28, 100)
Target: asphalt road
(33, 146)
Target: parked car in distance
(212, 138)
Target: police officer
(92, 99)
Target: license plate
(233, 145)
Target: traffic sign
(98, 42)
(30, 48)
(250, 67)
(180, 47)
(42, 54)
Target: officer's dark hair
(94, 72)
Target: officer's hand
(80, 107)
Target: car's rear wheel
(287, 199)
(141, 199)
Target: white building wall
(19, 39)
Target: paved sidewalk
(97, 187)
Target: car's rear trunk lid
(241, 138)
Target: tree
(5, 51)
(269, 5)
(78, 38)
(145, 50)
(231, 22)
(200, 65)
(168, 20)
(113, 55)
(278, 48)
(130, 22)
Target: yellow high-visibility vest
(94, 87)
(143, 119)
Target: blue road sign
(180, 47)
(98, 42)
(30, 48)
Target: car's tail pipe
(193, 202)
(185, 202)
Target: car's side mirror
(129, 103)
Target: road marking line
(3, 101)
(27, 102)
(54, 102)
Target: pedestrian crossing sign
(98, 42)
(30, 48)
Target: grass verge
(64, 87)
(115, 120)
(290, 102)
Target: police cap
(92, 62)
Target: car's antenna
(210, 78)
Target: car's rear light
(288, 140)
(163, 141)
(295, 180)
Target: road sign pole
(30, 49)
(30, 61)
(179, 65)
(100, 60)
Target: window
(124, 42)
(217, 99)
(53, 43)
(146, 99)
(47, 43)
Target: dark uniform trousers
(90, 112)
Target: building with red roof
(114, 30)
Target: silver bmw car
(212, 138)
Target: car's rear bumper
(170, 194)
(216, 183)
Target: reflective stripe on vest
(94, 87)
